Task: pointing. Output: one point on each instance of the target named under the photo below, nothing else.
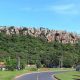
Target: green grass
(8, 75)
(61, 69)
(55, 69)
(69, 75)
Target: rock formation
(49, 35)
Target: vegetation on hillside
(18, 50)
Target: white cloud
(61, 9)
(65, 9)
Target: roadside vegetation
(73, 75)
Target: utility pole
(61, 61)
(18, 63)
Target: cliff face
(49, 35)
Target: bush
(11, 64)
(33, 69)
(78, 68)
(10, 67)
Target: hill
(43, 33)
(18, 49)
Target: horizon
(51, 14)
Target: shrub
(33, 69)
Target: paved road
(38, 76)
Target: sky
(52, 14)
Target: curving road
(38, 76)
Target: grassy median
(73, 75)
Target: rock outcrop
(49, 35)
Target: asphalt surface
(38, 76)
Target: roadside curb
(56, 78)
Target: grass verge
(9, 75)
(72, 75)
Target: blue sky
(52, 14)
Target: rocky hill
(44, 33)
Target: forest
(17, 51)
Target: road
(38, 76)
